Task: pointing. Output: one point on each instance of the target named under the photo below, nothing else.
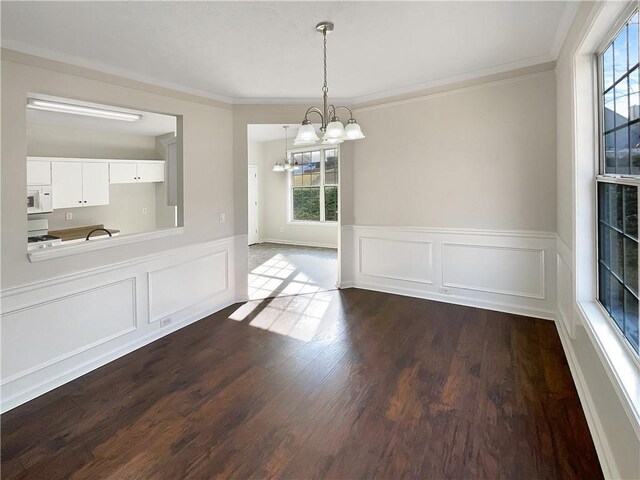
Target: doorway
(293, 219)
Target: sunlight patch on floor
(265, 279)
(297, 317)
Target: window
(314, 186)
(619, 179)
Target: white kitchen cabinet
(78, 184)
(123, 172)
(38, 173)
(95, 184)
(136, 172)
(151, 172)
(66, 184)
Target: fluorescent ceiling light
(50, 106)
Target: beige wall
(478, 157)
(273, 202)
(208, 167)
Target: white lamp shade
(334, 130)
(306, 135)
(278, 168)
(353, 131)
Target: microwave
(39, 199)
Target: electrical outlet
(444, 290)
(281, 229)
(165, 322)
(222, 218)
(144, 210)
(69, 215)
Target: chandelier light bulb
(306, 135)
(334, 130)
(353, 131)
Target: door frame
(253, 169)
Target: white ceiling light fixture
(283, 165)
(334, 131)
(59, 107)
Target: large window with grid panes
(619, 179)
(314, 185)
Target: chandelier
(333, 130)
(284, 165)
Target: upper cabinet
(38, 173)
(79, 184)
(136, 171)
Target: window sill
(312, 224)
(619, 361)
(109, 242)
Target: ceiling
(270, 51)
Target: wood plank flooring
(342, 384)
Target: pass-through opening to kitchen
(99, 172)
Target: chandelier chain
(325, 89)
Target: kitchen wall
(126, 201)
(165, 213)
(59, 141)
(273, 202)
(123, 213)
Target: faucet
(97, 230)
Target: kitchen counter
(80, 233)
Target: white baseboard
(457, 300)
(298, 243)
(600, 442)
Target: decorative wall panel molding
(61, 328)
(511, 271)
(494, 269)
(200, 279)
(48, 332)
(407, 260)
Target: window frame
(613, 178)
(307, 149)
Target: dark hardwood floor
(341, 384)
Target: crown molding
(17, 53)
(450, 89)
(564, 25)
(65, 64)
(510, 69)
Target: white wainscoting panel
(494, 269)
(510, 271)
(37, 336)
(396, 259)
(61, 328)
(565, 289)
(199, 279)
